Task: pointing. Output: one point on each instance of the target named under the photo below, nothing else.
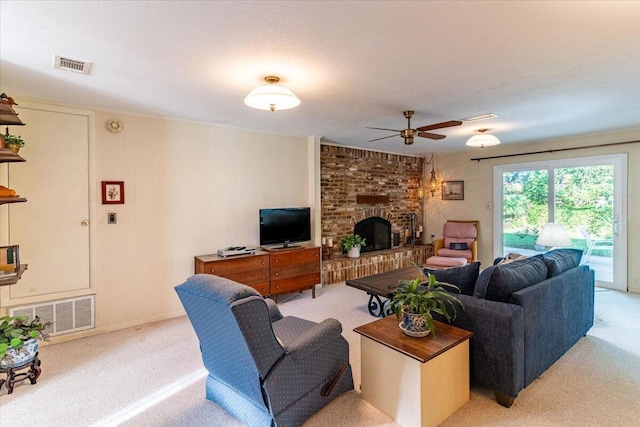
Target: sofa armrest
(314, 338)
(497, 346)
(557, 312)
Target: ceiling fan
(409, 134)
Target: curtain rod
(477, 159)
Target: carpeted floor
(152, 375)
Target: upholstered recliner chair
(461, 234)
(264, 369)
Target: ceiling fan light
(272, 97)
(483, 140)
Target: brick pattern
(346, 172)
(342, 268)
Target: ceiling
(548, 69)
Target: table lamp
(554, 235)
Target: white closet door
(52, 226)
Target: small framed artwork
(112, 192)
(453, 190)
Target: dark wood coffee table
(382, 285)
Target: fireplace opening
(376, 231)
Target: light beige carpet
(152, 375)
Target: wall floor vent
(69, 315)
(74, 65)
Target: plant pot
(13, 147)
(20, 357)
(415, 325)
(354, 252)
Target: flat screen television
(282, 226)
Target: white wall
(190, 189)
(478, 187)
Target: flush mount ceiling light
(272, 96)
(482, 140)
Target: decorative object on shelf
(112, 192)
(19, 339)
(8, 116)
(114, 126)
(272, 96)
(327, 250)
(482, 140)
(415, 300)
(352, 244)
(453, 190)
(553, 235)
(9, 261)
(13, 142)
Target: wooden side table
(415, 381)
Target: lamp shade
(272, 96)
(553, 234)
(483, 140)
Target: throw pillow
(559, 260)
(498, 282)
(458, 246)
(462, 277)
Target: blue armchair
(264, 369)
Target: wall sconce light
(272, 96)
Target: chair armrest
(314, 338)
(437, 245)
(274, 311)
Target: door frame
(619, 162)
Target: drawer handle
(277, 260)
(276, 274)
(213, 270)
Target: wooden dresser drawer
(225, 267)
(294, 270)
(294, 283)
(296, 256)
(250, 277)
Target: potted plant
(13, 142)
(352, 244)
(415, 300)
(19, 339)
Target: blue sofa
(524, 316)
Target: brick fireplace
(347, 173)
(374, 192)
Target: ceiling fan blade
(384, 137)
(441, 125)
(431, 135)
(392, 130)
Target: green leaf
(33, 334)
(16, 343)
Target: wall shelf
(13, 279)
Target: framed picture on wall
(112, 192)
(453, 190)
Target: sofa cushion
(462, 277)
(498, 282)
(559, 260)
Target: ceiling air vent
(74, 65)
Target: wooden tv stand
(270, 272)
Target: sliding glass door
(586, 195)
